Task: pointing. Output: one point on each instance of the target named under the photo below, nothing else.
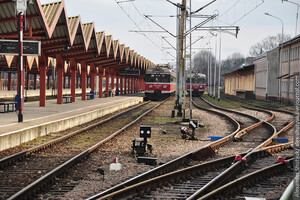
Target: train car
(160, 83)
(198, 84)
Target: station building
(240, 83)
(274, 82)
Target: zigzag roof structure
(49, 24)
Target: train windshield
(197, 80)
(157, 78)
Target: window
(156, 78)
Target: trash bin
(92, 94)
(17, 100)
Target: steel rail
(238, 184)
(26, 153)
(244, 131)
(262, 107)
(276, 135)
(240, 133)
(199, 154)
(50, 176)
(171, 177)
(230, 110)
(272, 116)
(238, 166)
(128, 188)
(147, 185)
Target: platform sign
(130, 72)
(11, 47)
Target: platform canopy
(67, 37)
(66, 43)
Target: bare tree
(201, 61)
(233, 62)
(267, 44)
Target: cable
(137, 26)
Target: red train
(198, 84)
(160, 83)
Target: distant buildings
(268, 80)
(240, 82)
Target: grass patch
(223, 102)
(36, 141)
(160, 120)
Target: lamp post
(296, 14)
(280, 65)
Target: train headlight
(165, 86)
(200, 86)
(150, 86)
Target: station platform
(40, 121)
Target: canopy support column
(43, 74)
(73, 79)
(60, 73)
(83, 80)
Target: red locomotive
(198, 84)
(160, 83)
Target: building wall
(273, 66)
(242, 82)
(290, 65)
(260, 73)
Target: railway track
(185, 160)
(251, 136)
(263, 183)
(181, 187)
(195, 156)
(41, 165)
(186, 182)
(245, 120)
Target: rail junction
(76, 131)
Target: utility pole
(181, 67)
(177, 56)
(215, 71)
(191, 111)
(210, 73)
(219, 68)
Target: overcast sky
(247, 14)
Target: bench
(7, 106)
(67, 99)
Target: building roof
(242, 70)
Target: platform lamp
(296, 13)
(21, 7)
